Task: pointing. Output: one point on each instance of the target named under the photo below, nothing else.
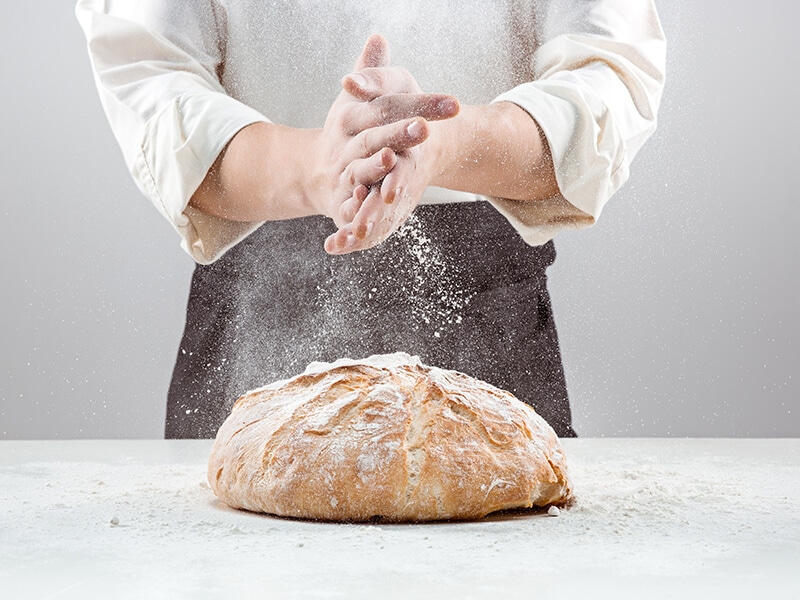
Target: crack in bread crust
(416, 433)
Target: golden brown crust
(404, 442)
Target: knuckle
(363, 144)
(341, 119)
(383, 113)
(378, 78)
(349, 175)
(347, 122)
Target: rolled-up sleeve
(155, 64)
(599, 76)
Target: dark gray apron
(455, 286)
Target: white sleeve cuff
(180, 144)
(588, 152)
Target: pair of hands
(373, 163)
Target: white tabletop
(655, 518)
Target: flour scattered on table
(660, 508)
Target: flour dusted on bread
(385, 438)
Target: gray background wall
(677, 313)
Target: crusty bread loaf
(385, 438)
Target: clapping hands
(377, 129)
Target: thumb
(374, 54)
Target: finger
(344, 203)
(396, 107)
(395, 184)
(370, 83)
(397, 136)
(376, 221)
(360, 193)
(373, 222)
(401, 186)
(342, 242)
(338, 242)
(350, 207)
(374, 54)
(364, 234)
(369, 171)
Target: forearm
(261, 175)
(493, 150)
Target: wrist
(450, 147)
(313, 171)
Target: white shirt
(179, 78)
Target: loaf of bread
(386, 438)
